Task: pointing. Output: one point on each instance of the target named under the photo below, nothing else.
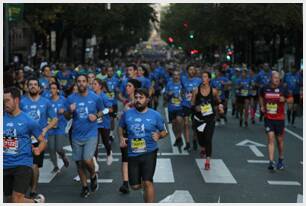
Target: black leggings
(104, 133)
(205, 137)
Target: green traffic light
(191, 36)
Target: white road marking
(256, 151)
(301, 162)
(163, 171)
(179, 196)
(259, 161)
(104, 159)
(102, 180)
(294, 134)
(299, 198)
(45, 175)
(218, 173)
(287, 183)
(173, 154)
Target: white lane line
(294, 134)
(287, 183)
(256, 151)
(164, 171)
(104, 160)
(102, 181)
(259, 161)
(179, 196)
(301, 163)
(173, 154)
(289, 131)
(299, 198)
(218, 173)
(45, 175)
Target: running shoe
(66, 161)
(96, 164)
(39, 198)
(84, 192)
(207, 164)
(271, 166)
(203, 153)
(187, 147)
(77, 178)
(109, 159)
(33, 194)
(124, 189)
(280, 164)
(55, 170)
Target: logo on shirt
(138, 120)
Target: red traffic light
(170, 39)
(194, 51)
(230, 53)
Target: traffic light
(170, 39)
(191, 36)
(194, 51)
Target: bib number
(10, 146)
(244, 92)
(111, 95)
(176, 101)
(271, 108)
(206, 109)
(138, 145)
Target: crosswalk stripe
(102, 181)
(259, 161)
(45, 175)
(218, 173)
(287, 183)
(164, 171)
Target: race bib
(110, 94)
(63, 82)
(253, 92)
(206, 109)
(271, 108)
(244, 92)
(219, 93)
(49, 120)
(33, 140)
(138, 145)
(10, 145)
(176, 101)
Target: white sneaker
(96, 164)
(39, 198)
(222, 122)
(109, 159)
(217, 123)
(77, 178)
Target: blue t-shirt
(44, 83)
(39, 110)
(62, 122)
(188, 86)
(145, 82)
(139, 127)
(65, 78)
(17, 144)
(112, 85)
(175, 101)
(253, 87)
(293, 82)
(217, 84)
(263, 78)
(47, 93)
(82, 127)
(244, 87)
(105, 121)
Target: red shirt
(274, 109)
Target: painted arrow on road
(179, 196)
(253, 146)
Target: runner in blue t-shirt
(104, 124)
(189, 84)
(253, 93)
(85, 107)
(143, 127)
(175, 108)
(292, 81)
(18, 128)
(39, 109)
(243, 97)
(57, 134)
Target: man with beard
(17, 149)
(144, 127)
(40, 110)
(85, 107)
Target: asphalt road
(238, 172)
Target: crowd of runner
(94, 104)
